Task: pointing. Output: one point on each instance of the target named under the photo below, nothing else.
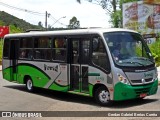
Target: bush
(155, 49)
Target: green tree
(50, 28)
(74, 23)
(119, 12)
(15, 29)
(154, 47)
(40, 24)
(8, 19)
(1, 23)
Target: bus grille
(140, 91)
(136, 82)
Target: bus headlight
(123, 79)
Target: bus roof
(69, 32)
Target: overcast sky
(89, 15)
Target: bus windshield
(128, 49)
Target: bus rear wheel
(102, 96)
(29, 84)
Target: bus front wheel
(29, 84)
(102, 96)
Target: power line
(21, 9)
(31, 12)
(54, 19)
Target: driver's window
(99, 56)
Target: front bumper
(125, 92)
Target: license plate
(143, 95)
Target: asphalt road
(14, 97)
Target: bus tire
(102, 96)
(29, 85)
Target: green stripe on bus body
(93, 74)
(33, 67)
(57, 87)
(38, 76)
(7, 73)
(91, 89)
(90, 74)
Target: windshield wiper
(142, 58)
(131, 62)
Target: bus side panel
(91, 90)
(58, 87)
(60, 81)
(7, 70)
(49, 79)
(98, 77)
(38, 77)
(7, 74)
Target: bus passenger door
(79, 65)
(14, 46)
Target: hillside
(12, 21)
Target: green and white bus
(84, 62)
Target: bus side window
(85, 51)
(59, 49)
(26, 47)
(42, 48)
(23, 54)
(75, 45)
(6, 49)
(99, 55)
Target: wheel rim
(104, 96)
(29, 85)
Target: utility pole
(46, 16)
(46, 20)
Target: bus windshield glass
(128, 49)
